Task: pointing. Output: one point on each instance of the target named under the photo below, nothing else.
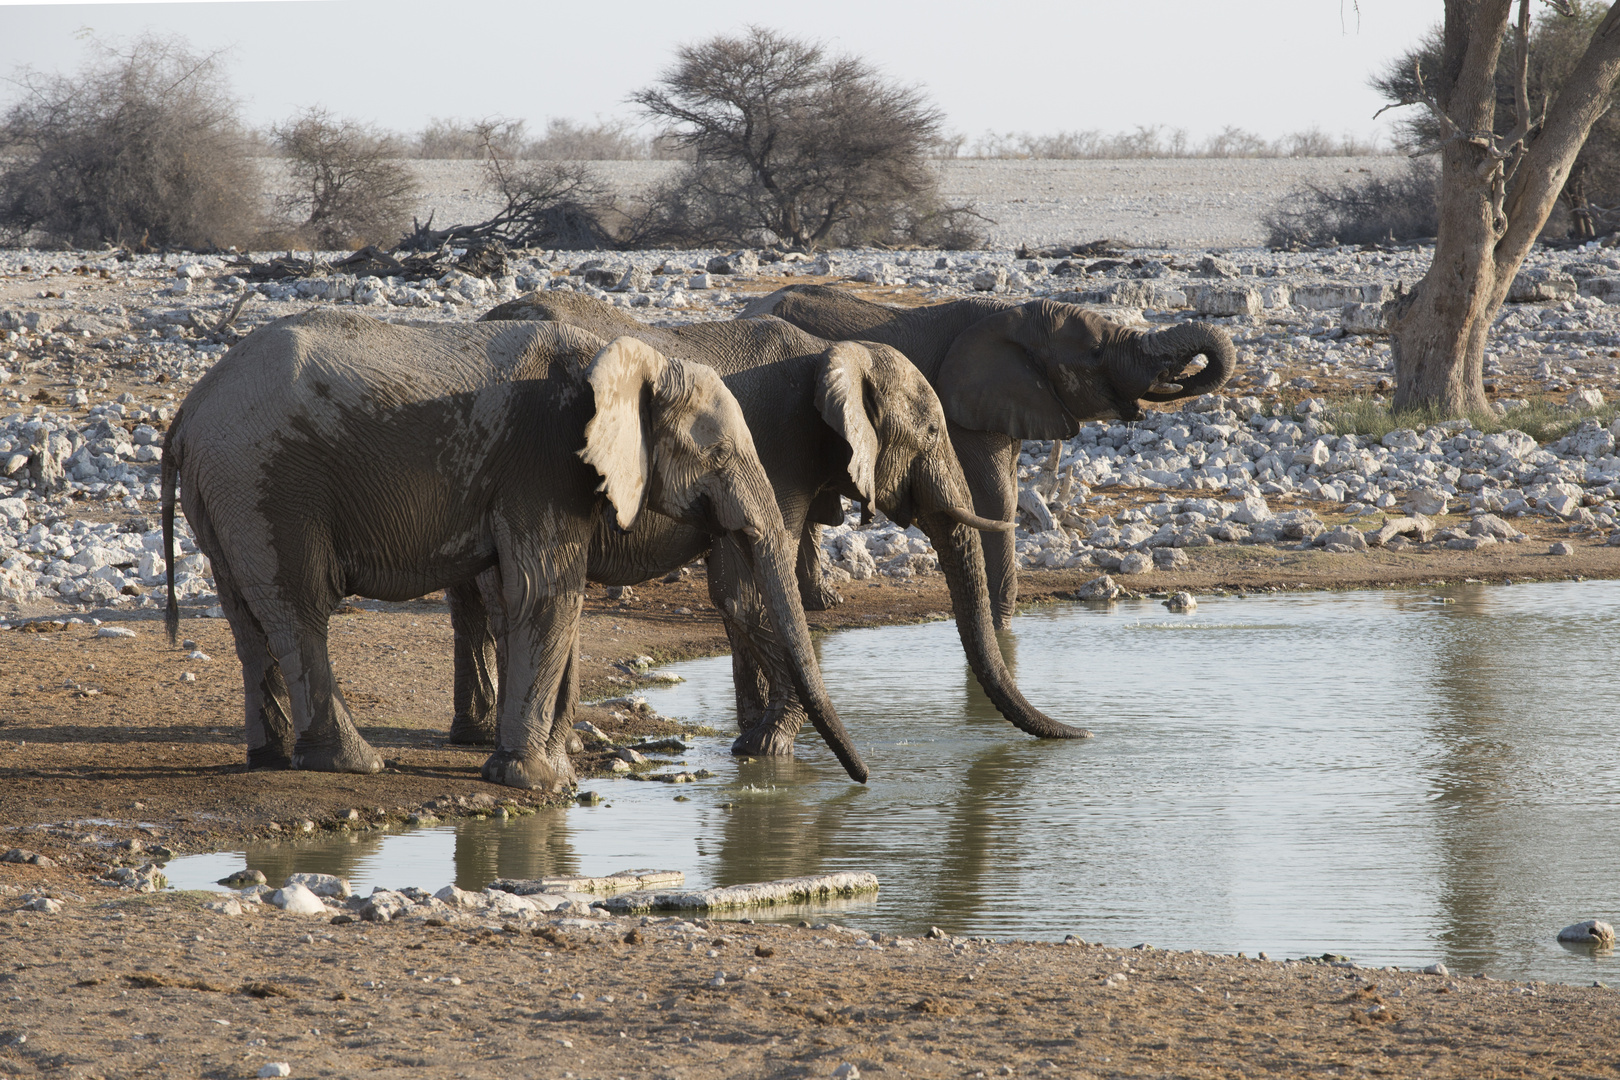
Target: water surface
(1398, 776)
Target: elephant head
(1037, 370)
(902, 462)
(669, 436)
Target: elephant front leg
(474, 723)
(990, 465)
(816, 592)
(539, 681)
(769, 714)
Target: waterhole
(1400, 777)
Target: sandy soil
(153, 986)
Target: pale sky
(1269, 66)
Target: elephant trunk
(773, 565)
(1164, 353)
(961, 560)
(974, 521)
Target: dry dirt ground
(155, 987)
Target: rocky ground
(158, 986)
(116, 749)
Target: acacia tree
(1496, 191)
(348, 187)
(1557, 41)
(790, 140)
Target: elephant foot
(819, 597)
(349, 757)
(269, 757)
(469, 731)
(512, 769)
(764, 740)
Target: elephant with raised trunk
(328, 454)
(1008, 372)
(830, 419)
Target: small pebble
(275, 1068)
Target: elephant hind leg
(270, 731)
(474, 723)
(327, 738)
(329, 741)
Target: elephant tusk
(1164, 388)
(974, 521)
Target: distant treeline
(445, 139)
(619, 140)
(1163, 142)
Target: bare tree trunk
(1495, 196)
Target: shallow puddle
(1401, 777)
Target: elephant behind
(830, 420)
(1008, 372)
(328, 454)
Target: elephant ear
(841, 397)
(624, 376)
(994, 379)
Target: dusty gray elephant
(329, 454)
(1008, 372)
(830, 419)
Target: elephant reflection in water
(533, 846)
(340, 856)
(537, 845)
(959, 857)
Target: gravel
(79, 467)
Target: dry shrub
(349, 189)
(1369, 210)
(142, 147)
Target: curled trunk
(961, 560)
(1166, 352)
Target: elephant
(830, 419)
(1008, 372)
(328, 454)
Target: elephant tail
(169, 477)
